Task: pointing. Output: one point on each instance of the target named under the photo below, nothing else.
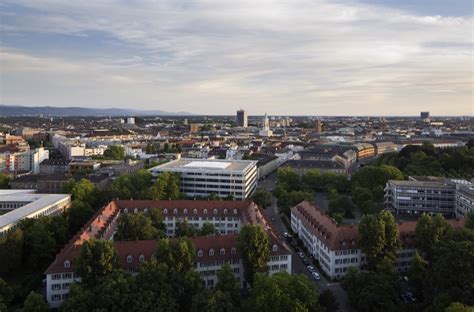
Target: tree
(6, 293)
(459, 307)
(429, 232)
(470, 220)
(392, 243)
(166, 187)
(360, 195)
(184, 229)
(83, 191)
(371, 231)
(79, 213)
(35, 303)
(4, 181)
(207, 229)
(328, 301)
(254, 247)
(283, 292)
(289, 177)
(371, 176)
(39, 245)
(11, 248)
(418, 275)
(262, 197)
(228, 285)
(115, 152)
(97, 258)
(137, 226)
(342, 204)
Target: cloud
(318, 57)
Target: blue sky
(315, 57)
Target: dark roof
(309, 164)
(55, 162)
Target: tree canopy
(254, 246)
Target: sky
(292, 57)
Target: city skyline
(370, 57)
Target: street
(298, 267)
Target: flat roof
(36, 202)
(185, 164)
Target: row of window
(60, 286)
(233, 251)
(58, 276)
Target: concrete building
(21, 204)
(131, 120)
(52, 166)
(464, 199)
(204, 177)
(336, 246)
(318, 126)
(385, 148)
(211, 251)
(428, 195)
(14, 161)
(242, 118)
(425, 117)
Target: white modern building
(16, 161)
(20, 204)
(203, 177)
(464, 199)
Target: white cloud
(284, 57)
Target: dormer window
(141, 258)
(185, 211)
(125, 210)
(175, 211)
(225, 211)
(67, 264)
(165, 211)
(274, 247)
(205, 211)
(235, 211)
(222, 252)
(195, 211)
(200, 253)
(353, 242)
(135, 210)
(211, 252)
(343, 243)
(215, 211)
(233, 251)
(129, 259)
(145, 210)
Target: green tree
(360, 195)
(418, 275)
(83, 191)
(392, 243)
(97, 258)
(184, 229)
(79, 213)
(328, 301)
(116, 152)
(470, 220)
(372, 241)
(207, 229)
(227, 284)
(254, 247)
(166, 187)
(4, 181)
(459, 307)
(39, 245)
(137, 226)
(6, 293)
(283, 292)
(371, 176)
(262, 197)
(429, 232)
(11, 248)
(35, 303)
(290, 178)
(342, 204)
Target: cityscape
(179, 156)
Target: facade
(385, 148)
(52, 166)
(242, 118)
(336, 246)
(211, 251)
(464, 200)
(364, 150)
(302, 166)
(14, 160)
(429, 195)
(21, 204)
(204, 177)
(425, 117)
(266, 132)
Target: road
(298, 267)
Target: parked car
(316, 275)
(301, 255)
(285, 234)
(311, 268)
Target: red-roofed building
(336, 246)
(211, 251)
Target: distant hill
(16, 110)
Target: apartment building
(211, 251)
(204, 177)
(385, 148)
(15, 160)
(20, 204)
(429, 195)
(336, 246)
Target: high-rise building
(318, 126)
(242, 118)
(425, 116)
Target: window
(125, 210)
(135, 210)
(56, 276)
(165, 211)
(275, 248)
(145, 210)
(185, 211)
(222, 252)
(211, 252)
(56, 286)
(66, 285)
(67, 264)
(225, 211)
(233, 251)
(67, 275)
(215, 211)
(175, 211)
(141, 258)
(195, 211)
(205, 211)
(56, 297)
(200, 253)
(129, 259)
(235, 211)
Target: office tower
(241, 118)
